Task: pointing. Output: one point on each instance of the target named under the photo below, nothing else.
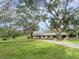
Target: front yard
(36, 49)
(71, 40)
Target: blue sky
(42, 24)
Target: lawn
(35, 49)
(71, 40)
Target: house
(37, 34)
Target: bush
(4, 39)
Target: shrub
(4, 39)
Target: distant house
(37, 34)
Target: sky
(42, 24)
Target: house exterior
(47, 35)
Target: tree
(6, 18)
(61, 14)
(76, 22)
(26, 15)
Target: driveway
(63, 44)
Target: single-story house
(47, 35)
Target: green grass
(35, 49)
(71, 40)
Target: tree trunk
(31, 35)
(77, 36)
(59, 35)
